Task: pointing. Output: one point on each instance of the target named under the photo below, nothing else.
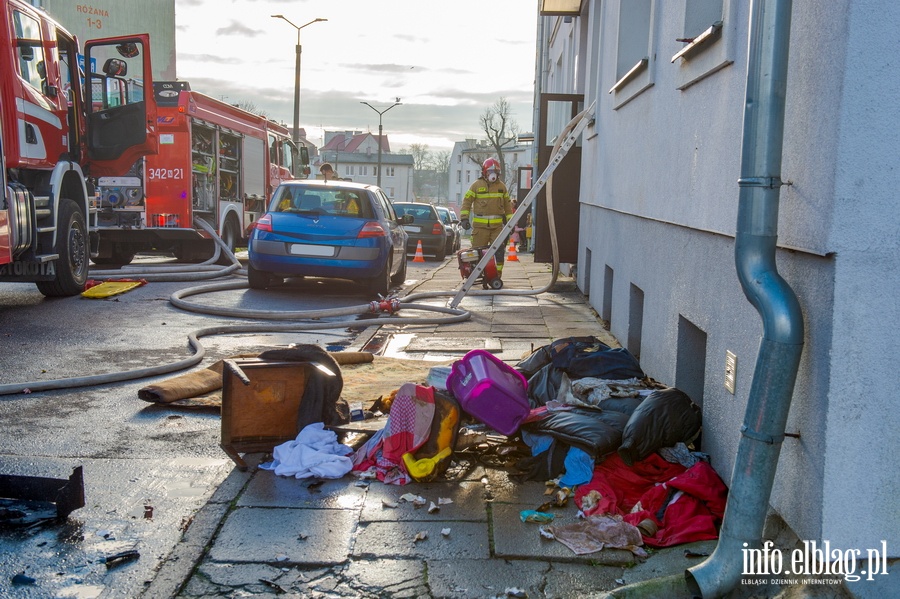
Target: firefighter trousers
(485, 236)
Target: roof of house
(352, 143)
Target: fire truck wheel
(230, 237)
(72, 247)
(400, 277)
(257, 279)
(381, 283)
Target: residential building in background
(354, 156)
(465, 166)
(109, 18)
(656, 220)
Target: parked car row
(435, 231)
(340, 229)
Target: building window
(389, 171)
(468, 176)
(351, 169)
(364, 170)
(634, 50)
(707, 41)
(459, 176)
(699, 15)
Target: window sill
(631, 74)
(712, 33)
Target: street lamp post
(380, 113)
(295, 135)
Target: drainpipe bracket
(765, 182)
(757, 436)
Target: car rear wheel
(381, 283)
(441, 253)
(400, 277)
(257, 279)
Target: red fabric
(696, 497)
(622, 486)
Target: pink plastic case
(490, 390)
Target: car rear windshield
(417, 212)
(334, 202)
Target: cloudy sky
(447, 60)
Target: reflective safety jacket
(487, 204)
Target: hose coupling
(389, 305)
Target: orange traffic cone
(511, 255)
(420, 257)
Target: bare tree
(420, 155)
(500, 128)
(251, 106)
(440, 164)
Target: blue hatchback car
(334, 229)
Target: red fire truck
(57, 136)
(216, 162)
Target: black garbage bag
(544, 354)
(578, 357)
(596, 432)
(546, 465)
(662, 419)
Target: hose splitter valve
(389, 305)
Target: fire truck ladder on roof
(525, 205)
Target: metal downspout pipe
(779, 354)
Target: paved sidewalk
(263, 535)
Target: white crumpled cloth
(315, 452)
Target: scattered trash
(281, 557)
(597, 532)
(590, 500)
(691, 553)
(445, 532)
(120, 558)
(388, 503)
(416, 500)
(21, 579)
(514, 592)
(547, 534)
(302, 536)
(66, 494)
(535, 516)
(106, 534)
(444, 501)
(420, 536)
(148, 512)
(648, 527)
(433, 509)
(620, 581)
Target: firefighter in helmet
(486, 208)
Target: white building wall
(659, 211)
(109, 18)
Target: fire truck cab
(216, 162)
(65, 119)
